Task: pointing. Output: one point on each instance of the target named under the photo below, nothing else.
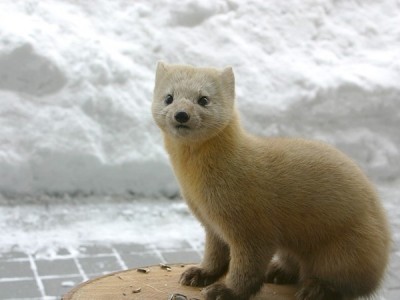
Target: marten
(275, 210)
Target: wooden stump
(159, 283)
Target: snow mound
(76, 84)
(194, 12)
(24, 71)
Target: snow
(68, 223)
(76, 80)
(68, 283)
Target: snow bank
(76, 83)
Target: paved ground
(24, 276)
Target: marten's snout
(182, 117)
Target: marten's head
(191, 103)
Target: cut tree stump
(156, 283)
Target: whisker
(160, 114)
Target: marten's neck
(198, 165)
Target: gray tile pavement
(21, 288)
(65, 266)
(27, 277)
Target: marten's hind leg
(283, 269)
(347, 268)
(315, 289)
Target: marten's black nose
(182, 117)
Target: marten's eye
(203, 101)
(168, 99)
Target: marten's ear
(161, 69)
(228, 82)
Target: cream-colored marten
(277, 210)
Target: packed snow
(76, 83)
(72, 222)
(76, 80)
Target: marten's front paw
(219, 291)
(195, 276)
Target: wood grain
(157, 284)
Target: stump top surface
(158, 284)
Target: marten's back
(316, 189)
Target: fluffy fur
(300, 202)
